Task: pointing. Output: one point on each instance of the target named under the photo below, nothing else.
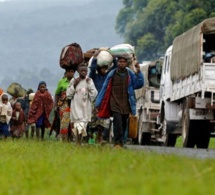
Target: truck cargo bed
(201, 82)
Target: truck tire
(144, 134)
(188, 133)
(169, 138)
(146, 138)
(140, 136)
(203, 134)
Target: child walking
(5, 115)
(33, 125)
(40, 109)
(82, 92)
(17, 121)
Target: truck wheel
(140, 136)
(188, 134)
(169, 139)
(146, 138)
(203, 134)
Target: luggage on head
(16, 90)
(123, 50)
(71, 56)
(126, 51)
(31, 96)
(104, 58)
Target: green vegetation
(50, 167)
(179, 143)
(151, 25)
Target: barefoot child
(82, 92)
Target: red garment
(104, 109)
(41, 104)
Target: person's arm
(93, 68)
(56, 98)
(138, 79)
(102, 92)
(57, 93)
(114, 63)
(92, 89)
(71, 88)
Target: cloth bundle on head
(31, 96)
(16, 90)
(123, 50)
(71, 56)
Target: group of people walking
(92, 100)
(18, 114)
(83, 104)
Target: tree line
(151, 25)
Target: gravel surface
(188, 152)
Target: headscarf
(40, 83)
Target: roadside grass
(50, 167)
(211, 143)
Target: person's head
(122, 63)
(42, 86)
(29, 91)
(102, 69)
(69, 73)
(82, 70)
(17, 106)
(4, 98)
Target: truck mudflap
(173, 127)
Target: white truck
(148, 104)
(187, 87)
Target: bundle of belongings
(71, 56)
(16, 90)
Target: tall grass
(50, 167)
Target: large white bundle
(109, 65)
(123, 50)
(90, 62)
(104, 58)
(31, 96)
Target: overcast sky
(33, 32)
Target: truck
(148, 104)
(187, 87)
